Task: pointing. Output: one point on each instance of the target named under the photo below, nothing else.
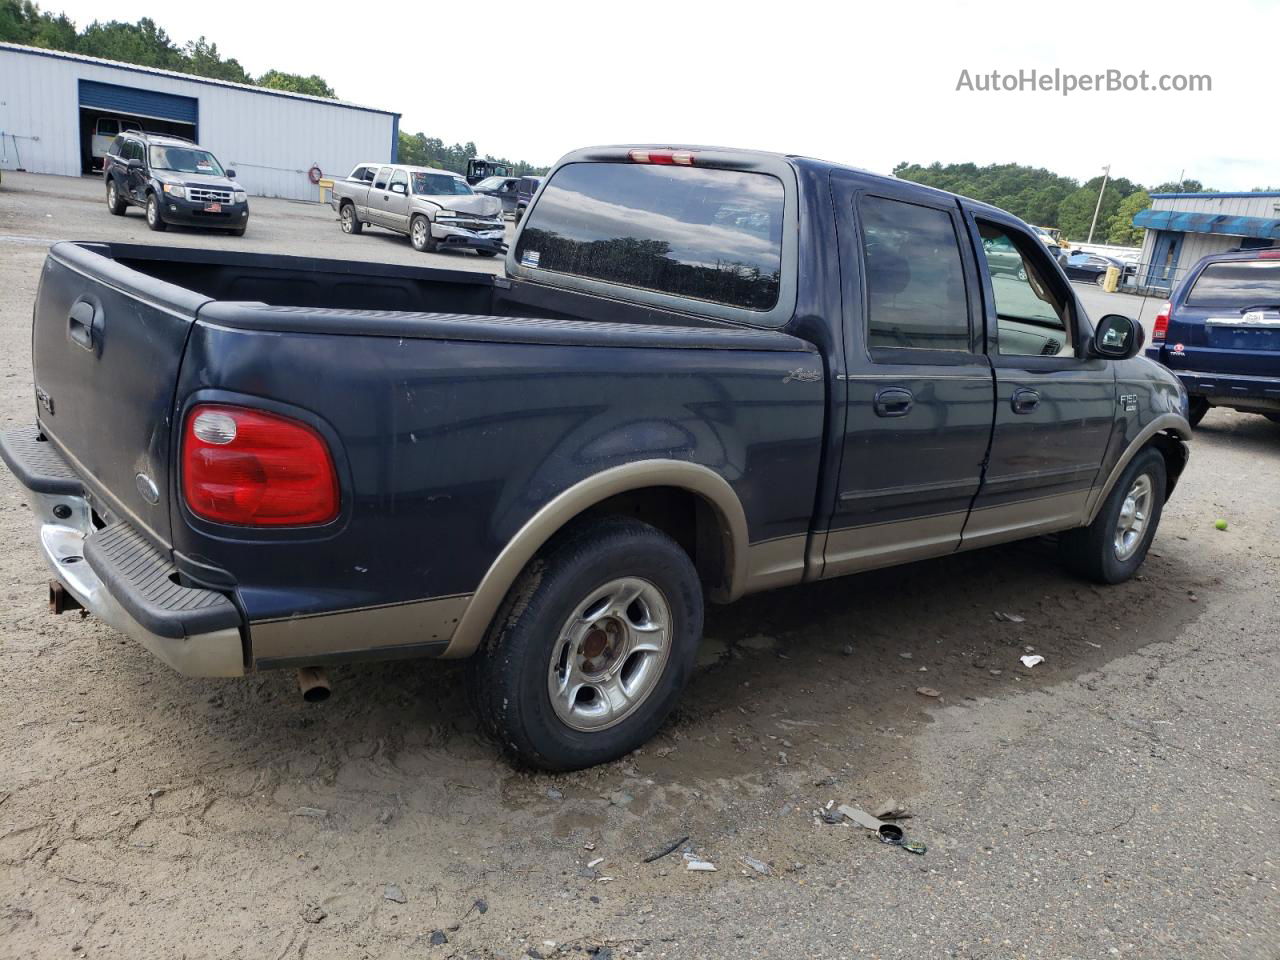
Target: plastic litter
(1009, 617)
(1031, 659)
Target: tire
(1101, 278)
(1197, 408)
(347, 217)
(1022, 273)
(1273, 417)
(154, 219)
(487, 253)
(539, 633)
(115, 203)
(519, 214)
(420, 235)
(238, 232)
(1097, 552)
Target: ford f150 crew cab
(434, 208)
(705, 373)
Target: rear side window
(712, 235)
(380, 183)
(915, 277)
(1237, 283)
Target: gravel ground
(1120, 799)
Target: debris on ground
(860, 817)
(1220, 523)
(393, 893)
(927, 692)
(595, 863)
(889, 810)
(314, 812)
(905, 655)
(705, 866)
(1030, 660)
(554, 794)
(1009, 617)
(438, 938)
(672, 847)
(848, 650)
(314, 914)
(759, 866)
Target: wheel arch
(1167, 433)
(635, 489)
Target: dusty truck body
(704, 374)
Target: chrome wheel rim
(1134, 511)
(419, 234)
(610, 654)
(153, 210)
(346, 219)
(111, 195)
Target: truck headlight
(176, 190)
(240, 196)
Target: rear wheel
(420, 235)
(154, 220)
(1112, 548)
(115, 203)
(1196, 409)
(347, 217)
(1101, 278)
(238, 231)
(589, 654)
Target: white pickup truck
(434, 208)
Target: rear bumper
(117, 575)
(1260, 394)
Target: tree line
(1047, 199)
(146, 44)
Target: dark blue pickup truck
(1220, 333)
(705, 373)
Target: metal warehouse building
(58, 110)
(1183, 227)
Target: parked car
(1220, 333)
(105, 130)
(175, 181)
(705, 373)
(433, 208)
(525, 190)
(504, 188)
(1003, 258)
(1092, 267)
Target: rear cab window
(1238, 284)
(668, 233)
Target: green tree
(1032, 193)
(1120, 229)
(143, 43)
(1075, 213)
(1184, 186)
(203, 60)
(313, 85)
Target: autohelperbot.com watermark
(1065, 82)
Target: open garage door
(107, 109)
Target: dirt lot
(1120, 799)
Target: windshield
(1238, 283)
(185, 160)
(490, 183)
(438, 184)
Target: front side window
(703, 234)
(440, 184)
(380, 181)
(1031, 311)
(916, 295)
(185, 160)
(401, 178)
(1239, 284)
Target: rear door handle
(893, 402)
(1024, 400)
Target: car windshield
(1237, 283)
(185, 160)
(490, 183)
(439, 184)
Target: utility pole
(1106, 172)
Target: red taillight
(679, 158)
(256, 469)
(1161, 328)
(1269, 255)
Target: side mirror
(398, 188)
(135, 164)
(231, 174)
(1117, 337)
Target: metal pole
(1106, 172)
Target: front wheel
(587, 657)
(420, 235)
(487, 253)
(1112, 548)
(154, 220)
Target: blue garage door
(134, 102)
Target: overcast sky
(868, 86)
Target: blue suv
(1220, 333)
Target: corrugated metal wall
(1267, 207)
(270, 140)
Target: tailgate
(1228, 322)
(106, 346)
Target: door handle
(82, 324)
(893, 402)
(1024, 400)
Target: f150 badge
(1129, 402)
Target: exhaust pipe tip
(314, 684)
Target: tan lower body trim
(775, 563)
(885, 544)
(1025, 518)
(348, 632)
